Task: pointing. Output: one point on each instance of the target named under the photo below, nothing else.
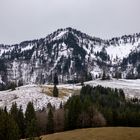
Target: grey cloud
(29, 19)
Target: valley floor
(106, 133)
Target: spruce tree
(74, 109)
(50, 122)
(21, 122)
(55, 91)
(3, 129)
(8, 127)
(18, 117)
(13, 129)
(31, 121)
(14, 111)
(30, 112)
(61, 105)
(31, 129)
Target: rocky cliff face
(69, 52)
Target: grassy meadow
(105, 133)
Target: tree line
(113, 105)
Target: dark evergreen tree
(31, 121)
(3, 121)
(17, 115)
(14, 111)
(56, 79)
(49, 106)
(20, 83)
(55, 91)
(8, 127)
(31, 129)
(12, 86)
(5, 110)
(50, 122)
(105, 76)
(74, 109)
(13, 129)
(21, 122)
(61, 105)
(30, 112)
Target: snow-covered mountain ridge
(69, 52)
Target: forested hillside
(94, 107)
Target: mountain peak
(68, 51)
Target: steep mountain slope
(70, 53)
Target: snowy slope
(60, 35)
(24, 94)
(121, 51)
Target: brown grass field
(106, 133)
(48, 90)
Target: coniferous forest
(94, 107)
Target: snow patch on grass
(25, 94)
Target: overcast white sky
(30, 19)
